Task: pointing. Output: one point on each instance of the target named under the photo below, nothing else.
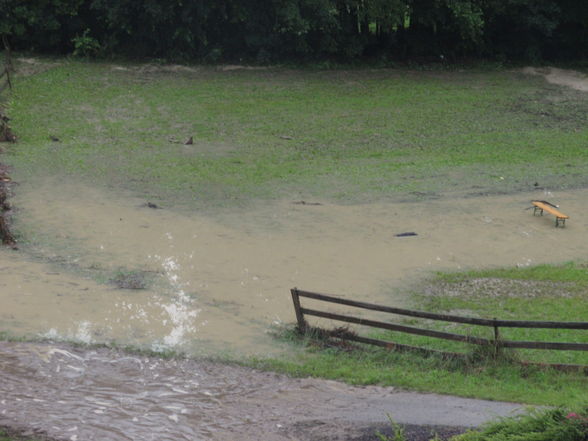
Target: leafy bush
(85, 45)
(265, 30)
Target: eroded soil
(561, 77)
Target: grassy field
(557, 293)
(347, 136)
(542, 293)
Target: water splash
(82, 333)
(180, 312)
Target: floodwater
(105, 395)
(220, 283)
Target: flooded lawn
(219, 283)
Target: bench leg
(537, 209)
(558, 220)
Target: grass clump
(540, 425)
(124, 279)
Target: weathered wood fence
(497, 342)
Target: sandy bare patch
(562, 77)
(27, 66)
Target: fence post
(496, 339)
(299, 315)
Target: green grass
(567, 272)
(543, 293)
(347, 136)
(488, 380)
(478, 376)
(545, 425)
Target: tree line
(276, 30)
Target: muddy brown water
(221, 283)
(105, 395)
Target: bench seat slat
(550, 209)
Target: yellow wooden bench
(540, 206)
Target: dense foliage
(269, 30)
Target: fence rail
(496, 324)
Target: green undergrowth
(540, 425)
(343, 135)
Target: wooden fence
(497, 342)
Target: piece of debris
(54, 138)
(129, 280)
(407, 234)
(286, 137)
(189, 141)
(151, 205)
(306, 203)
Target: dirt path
(105, 395)
(562, 77)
